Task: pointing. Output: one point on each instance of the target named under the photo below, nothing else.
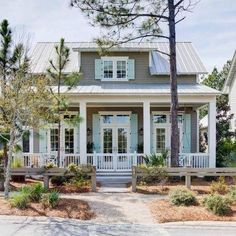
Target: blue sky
(211, 26)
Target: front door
(115, 142)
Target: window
(54, 139)
(26, 142)
(69, 140)
(160, 140)
(115, 68)
(180, 119)
(159, 119)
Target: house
(124, 99)
(230, 88)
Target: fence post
(46, 181)
(188, 179)
(134, 179)
(93, 179)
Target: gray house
(124, 99)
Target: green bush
(16, 163)
(26, 189)
(36, 192)
(232, 195)
(217, 204)
(19, 200)
(182, 197)
(219, 186)
(50, 165)
(50, 199)
(156, 159)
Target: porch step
(114, 181)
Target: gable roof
(188, 61)
(231, 75)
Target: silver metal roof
(188, 61)
(231, 75)
(139, 89)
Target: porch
(121, 126)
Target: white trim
(146, 127)
(114, 68)
(114, 112)
(79, 60)
(83, 132)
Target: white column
(198, 124)
(146, 128)
(212, 133)
(83, 133)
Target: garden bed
(66, 208)
(163, 211)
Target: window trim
(114, 63)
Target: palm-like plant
(156, 159)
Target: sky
(211, 26)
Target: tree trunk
(8, 174)
(59, 143)
(173, 82)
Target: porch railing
(108, 161)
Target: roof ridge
(124, 43)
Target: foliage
(49, 165)
(50, 199)
(182, 197)
(219, 186)
(36, 192)
(19, 200)
(59, 180)
(217, 204)
(156, 159)
(223, 118)
(90, 147)
(17, 163)
(152, 174)
(232, 194)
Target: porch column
(212, 133)
(146, 128)
(83, 133)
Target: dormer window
(114, 68)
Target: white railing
(194, 160)
(107, 161)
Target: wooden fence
(47, 173)
(186, 172)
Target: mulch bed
(62, 189)
(66, 208)
(163, 211)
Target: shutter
(187, 133)
(130, 69)
(43, 141)
(152, 135)
(133, 132)
(96, 133)
(98, 69)
(78, 138)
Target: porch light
(140, 131)
(89, 131)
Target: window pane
(107, 119)
(122, 119)
(121, 69)
(108, 69)
(69, 140)
(180, 118)
(107, 140)
(26, 142)
(54, 139)
(159, 119)
(160, 140)
(122, 140)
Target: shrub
(232, 195)
(217, 204)
(182, 197)
(59, 180)
(36, 192)
(219, 186)
(50, 199)
(50, 165)
(19, 200)
(156, 159)
(26, 189)
(16, 163)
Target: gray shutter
(43, 141)
(133, 132)
(187, 133)
(96, 133)
(98, 69)
(130, 69)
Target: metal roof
(139, 89)
(188, 61)
(231, 75)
